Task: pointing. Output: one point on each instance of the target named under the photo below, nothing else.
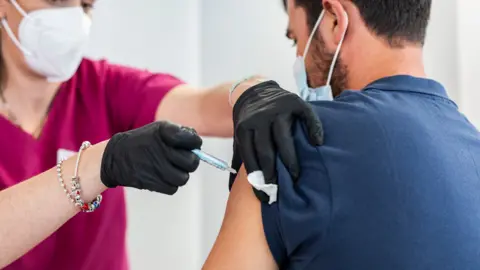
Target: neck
(382, 61)
(25, 91)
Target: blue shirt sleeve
(295, 226)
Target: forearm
(216, 111)
(208, 111)
(205, 110)
(37, 207)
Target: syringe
(215, 162)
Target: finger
(236, 164)
(183, 159)
(247, 150)
(174, 176)
(283, 138)
(313, 124)
(160, 187)
(189, 138)
(180, 137)
(236, 159)
(261, 196)
(266, 154)
(159, 174)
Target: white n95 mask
(52, 40)
(300, 71)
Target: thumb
(236, 164)
(313, 124)
(180, 137)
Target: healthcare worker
(54, 104)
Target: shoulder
(101, 66)
(93, 69)
(351, 115)
(88, 65)
(98, 75)
(102, 71)
(354, 124)
(304, 210)
(91, 76)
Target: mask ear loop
(314, 30)
(337, 52)
(19, 8)
(10, 32)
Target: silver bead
(86, 144)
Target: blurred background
(205, 42)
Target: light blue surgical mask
(300, 71)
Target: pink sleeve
(133, 95)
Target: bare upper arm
(241, 243)
(182, 105)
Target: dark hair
(398, 21)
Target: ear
(340, 17)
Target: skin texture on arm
(34, 209)
(241, 243)
(205, 110)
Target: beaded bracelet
(76, 189)
(74, 195)
(60, 179)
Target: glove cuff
(107, 167)
(249, 93)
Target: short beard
(319, 66)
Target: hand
(156, 157)
(263, 117)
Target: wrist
(241, 86)
(107, 159)
(89, 171)
(252, 95)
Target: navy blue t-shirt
(395, 186)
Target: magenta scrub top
(99, 101)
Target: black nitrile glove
(156, 157)
(263, 117)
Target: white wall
(210, 41)
(163, 231)
(441, 52)
(468, 48)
